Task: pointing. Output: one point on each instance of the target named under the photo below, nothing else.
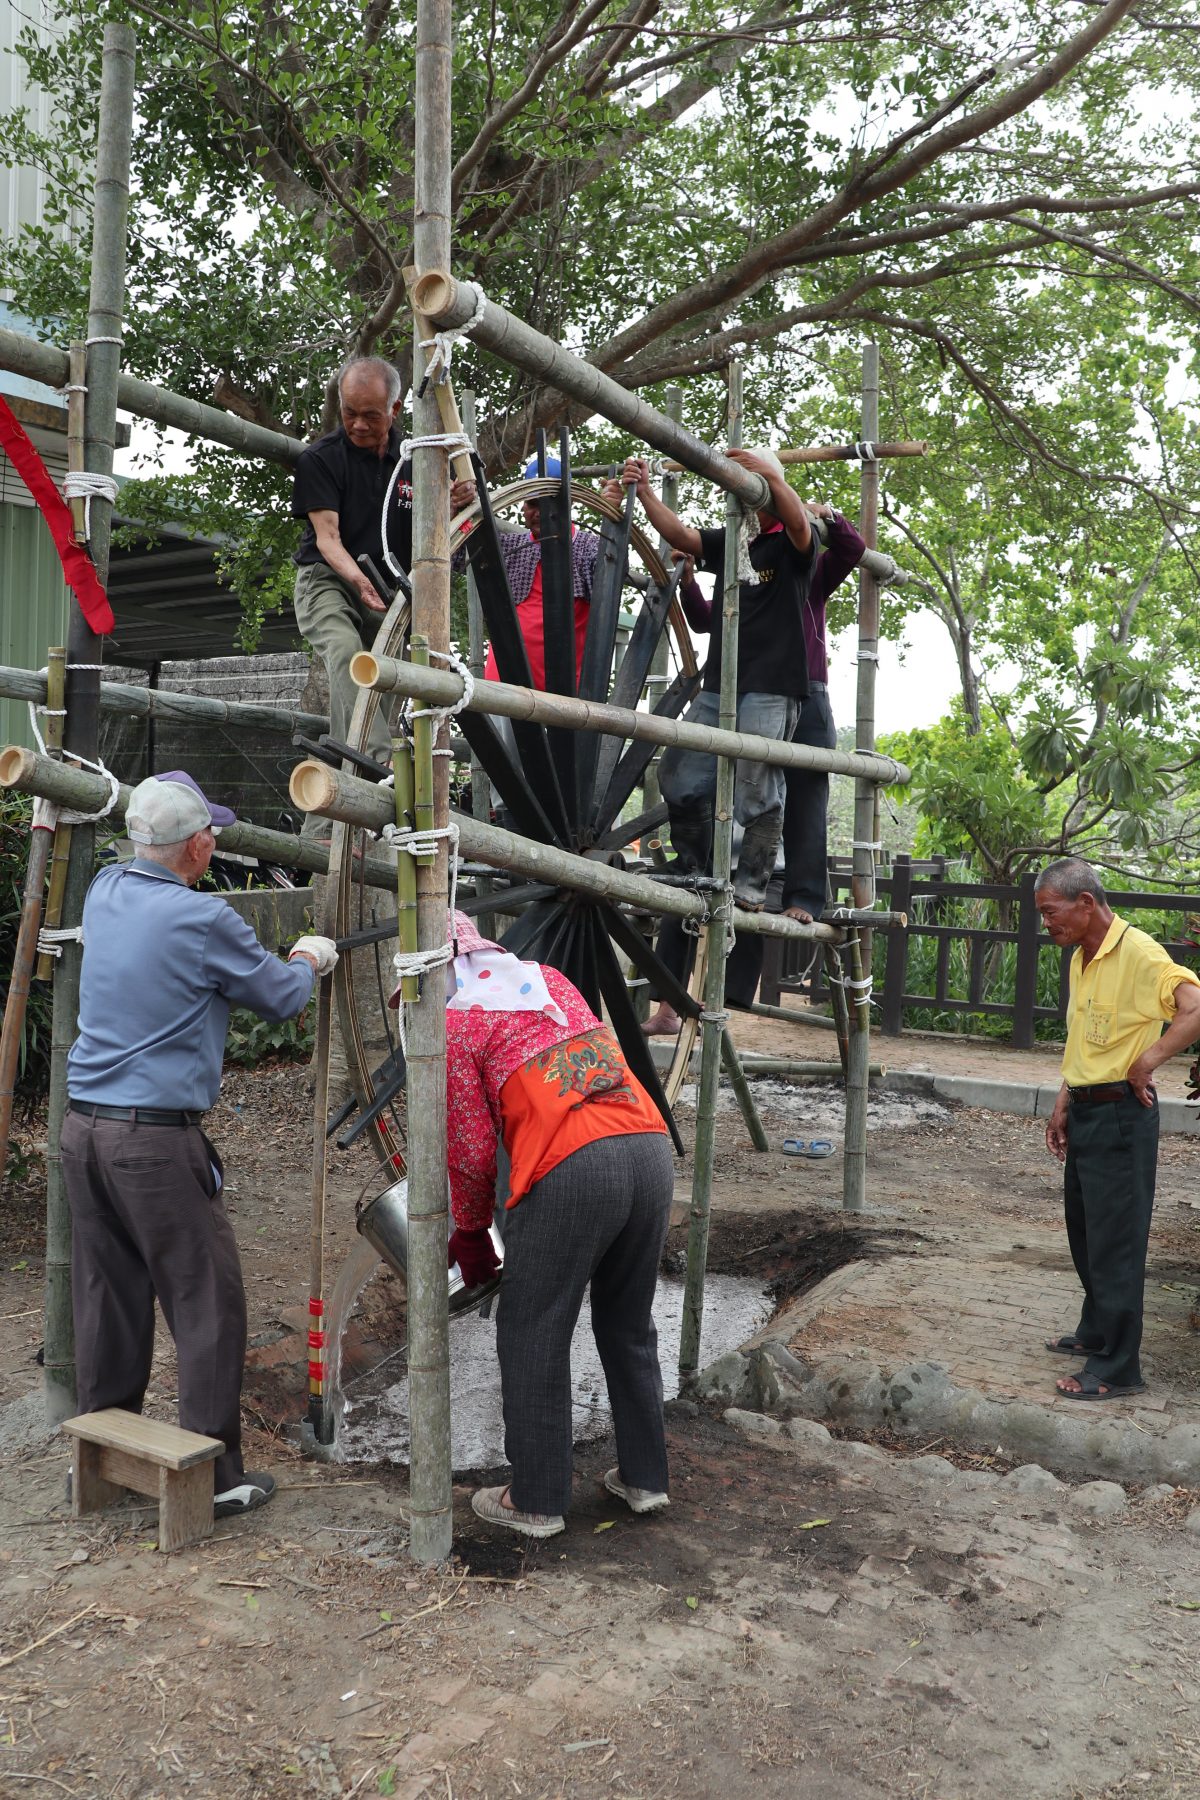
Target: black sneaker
(254, 1490)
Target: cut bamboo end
(16, 764)
(364, 669)
(433, 292)
(310, 785)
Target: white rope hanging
(440, 440)
(86, 485)
(442, 344)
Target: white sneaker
(638, 1500)
(488, 1503)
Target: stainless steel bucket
(384, 1223)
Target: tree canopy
(1005, 196)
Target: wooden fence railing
(922, 891)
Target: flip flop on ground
(816, 1148)
(1092, 1388)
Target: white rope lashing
(51, 939)
(442, 344)
(66, 815)
(418, 843)
(440, 440)
(86, 485)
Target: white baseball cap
(166, 809)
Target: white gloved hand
(321, 949)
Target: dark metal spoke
(630, 680)
(642, 953)
(534, 929)
(604, 617)
(507, 776)
(623, 834)
(558, 620)
(630, 1036)
(633, 764)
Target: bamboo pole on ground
(481, 787)
(713, 1017)
(858, 952)
(430, 1500)
(157, 703)
(441, 687)
(41, 842)
(81, 734)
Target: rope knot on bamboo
(442, 713)
(86, 485)
(441, 345)
(50, 941)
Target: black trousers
(599, 1219)
(1108, 1193)
(147, 1222)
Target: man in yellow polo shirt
(1104, 1126)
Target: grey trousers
(147, 1221)
(1108, 1193)
(600, 1219)
(330, 618)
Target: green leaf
(386, 1617)
(252, 1603)
(604, 1525)
(812, 1524)
(386, 1782)
(691, 1602)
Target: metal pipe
(713, 1016)
(47, 363)
(442, 687)
(157, 703)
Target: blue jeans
(688, 781)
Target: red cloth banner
(78, 567)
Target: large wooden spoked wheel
(363, 979)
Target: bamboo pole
(60, 854)
(811, 453)
(481, 787)
(28, 773)
(854, 1173)
(441, 687)
(788, 1065)
(430, 1499)
(46, 363)
(106, 302)
(791, 1015)
(737, 1070)
(713, 1016)
(188, 709)
(41, 840)
(320, 1415)
(660, 664)
(406, 868)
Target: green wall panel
(33, 606)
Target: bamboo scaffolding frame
(441, 687)
(430, 1504)
(811, 453)
(858, 952)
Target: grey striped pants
(599, 1219)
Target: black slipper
(1092, 1388)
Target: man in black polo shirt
(341, 481)
(772, 683)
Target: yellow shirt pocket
(1099, 1024)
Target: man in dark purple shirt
(806, 809)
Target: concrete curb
(920, 1398)
(1029, 1100)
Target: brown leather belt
(1111, 1090)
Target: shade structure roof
(170, 604)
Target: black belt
(1109, 1090)
(134, 1115)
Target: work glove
(475, 1255)
(322, 948)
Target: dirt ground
(846, 1623)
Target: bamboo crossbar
(46, 363)
(25, 772)
(159, 703)
(810, 453)
(441, 687)
(315, 787)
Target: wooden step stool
(115, 1450)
